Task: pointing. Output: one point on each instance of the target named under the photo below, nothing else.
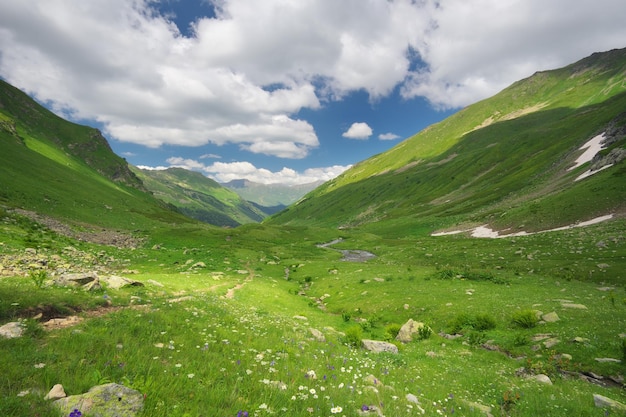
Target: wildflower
(190, 375)
(242, 414)
(364, 407)
(76, 413)
(336, 410)
(39, 365)
(263, 406)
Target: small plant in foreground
(38, 277)
(525, 318)
(509, 399)
(392, 330)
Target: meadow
(223, 324)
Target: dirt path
(230, 294)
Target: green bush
(424, 332)
(525, 318)
(353, 336)
(479, 322)
(392, 330)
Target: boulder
(411, 327)
(378, 346)
(108, 400)
(544, 379)
(12, 330)
(574, 305)
(117, 282)
(601, 401)
(76, 280)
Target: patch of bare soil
(89, 234)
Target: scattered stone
(412, 399)
(317, 335)
(553, 341)
(480, 407)
(56, 393)
(12, 330)
(406, 306)
(104, 401)
(450, 336)
(379, 279)
(116, 282)
(605, 288)
(550, 317)
(540, 336)
(300, 318)
(542, 378)
(378, 346)
(155, 283)
(180, 299)
(604, 360)
(603, 266)
(575, 306)
(411, 327)
(76, 280)
(198, 265)
(601, 401)
(62, 323)
(565, 356)
(579, 339)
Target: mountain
(504, 161)
(271, 195)
(199, 197)
(68, 172)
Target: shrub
(525, 318)
(424, 332)
(353, 336)
(346, 316)
(392, 330)
(465, 321)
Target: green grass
(212, 355)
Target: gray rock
(109, 400)
(117, 282)
(605, 402)
(613, 360)
(55, 393)
(155, 283)
(550, 317)
(411, 327)
(553, 341)
(12, 330)
(76, 280)
(544, 379)
(412, 399)
(378, 346)
(575, 306)
(317, 335)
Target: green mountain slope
(199, 197)
(68, 172)
(503, 161)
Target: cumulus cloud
(388, 136)
(358, 130)
(243, 75)
(224, 172)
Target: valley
(258, 315)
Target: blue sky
(279, 90)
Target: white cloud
(227, 171)
(388, 136)
(358, 130)
(245, 74)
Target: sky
(283, 91)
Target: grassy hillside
(271, 195)
(502, 161)
(199, 197)
(67, 172)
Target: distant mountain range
(271, 195)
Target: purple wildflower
(76, 413)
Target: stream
(349, 255)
